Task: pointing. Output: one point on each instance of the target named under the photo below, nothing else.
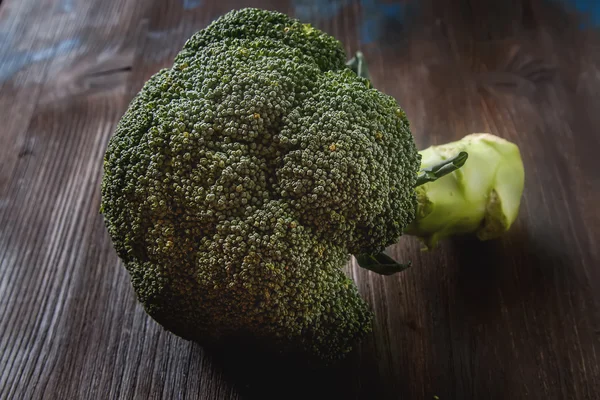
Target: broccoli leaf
(358, 64)
(443, 168)
(381, 263)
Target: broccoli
(239, 182)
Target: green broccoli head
(239, 181)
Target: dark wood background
(510, 319)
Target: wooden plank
(52, 196)
(514, 318)
(497, 311)
(23, 63)
(75, 328)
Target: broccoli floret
(239, 182)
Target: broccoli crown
(239, 181)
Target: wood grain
(510, 319)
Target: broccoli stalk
(457, 196)
(482, 197)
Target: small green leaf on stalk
(380, 263)
(444, 168)
(358, 64)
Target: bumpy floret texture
(240, 180)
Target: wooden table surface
(516, 318)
